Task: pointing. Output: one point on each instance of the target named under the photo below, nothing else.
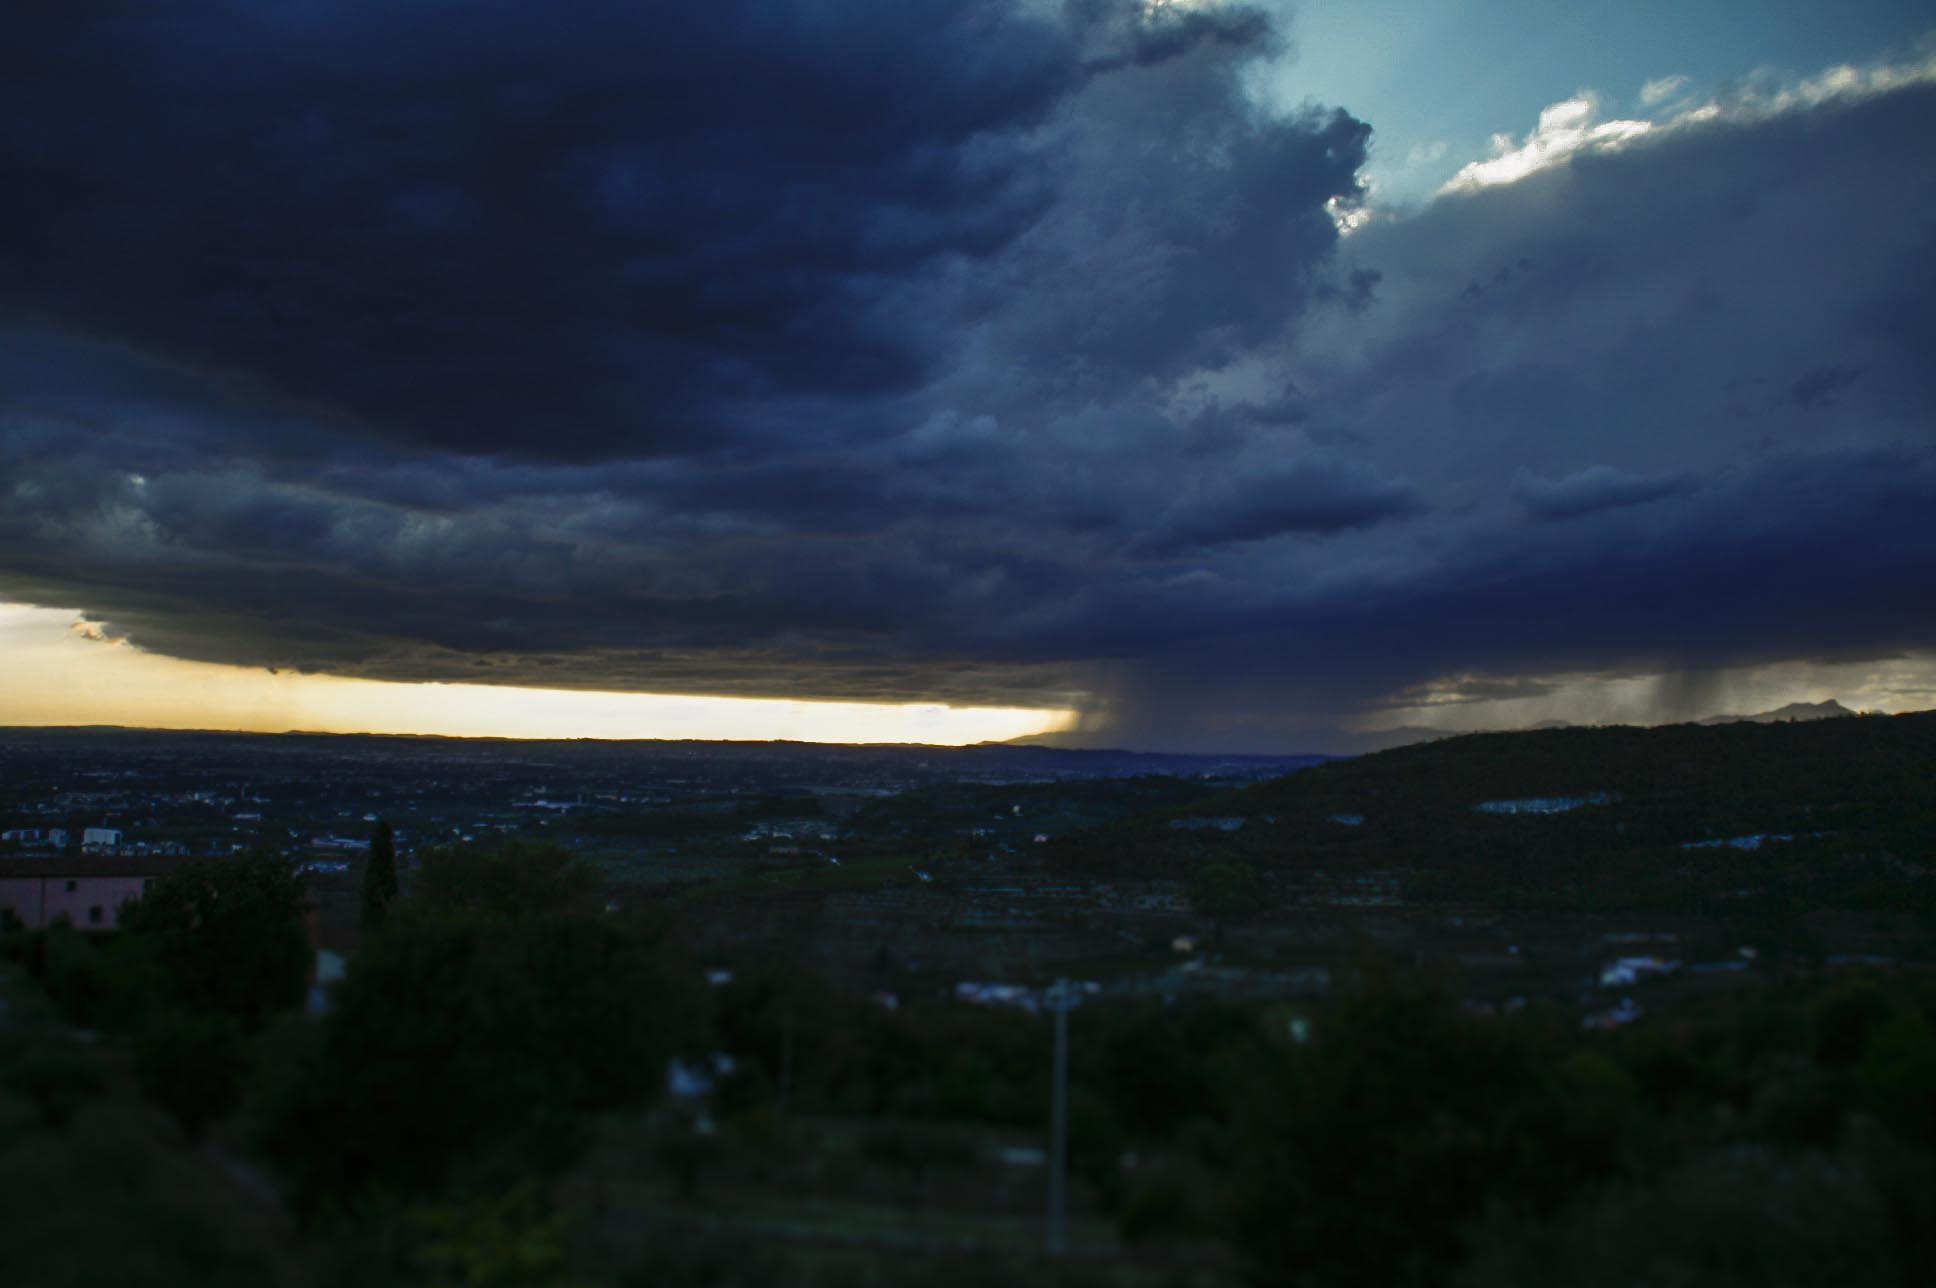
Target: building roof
(90, 865)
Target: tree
(1364, 1158)
(461, 1038)
(379, 877)
(518, 879)
(225, 935)
(1227, 890)
(191, 1065)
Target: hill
(1826, 710)
(1833, 813)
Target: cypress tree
(379, 876)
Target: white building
(104, 837)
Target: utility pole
(1061, 997)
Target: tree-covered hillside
(1845, 813)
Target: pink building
(89, 890)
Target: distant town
(960, 871)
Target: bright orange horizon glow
(58, 671)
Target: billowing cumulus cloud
(991, 351)
(1564, 129)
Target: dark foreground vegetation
(487, 1100)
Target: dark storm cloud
(493, 228)
(1598, 487)
(1311, 497)
(978, 352)
(1820, 386)
(1196, 229)
(1662, 300)
(1790, 560)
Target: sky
(1437, 79)
(1196, 376)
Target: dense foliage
(461, 1038)
(1409, 1143)
(225, 935)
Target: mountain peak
(1828, 709)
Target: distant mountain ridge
(1408, 735)
(1829, 709)
(1377, 740)
(922, 762)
